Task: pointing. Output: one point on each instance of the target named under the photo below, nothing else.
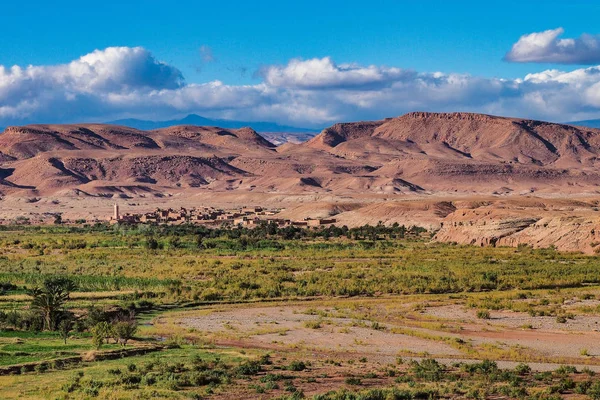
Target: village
(244, 216)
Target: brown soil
(285, 329)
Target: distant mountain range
(198, 120)
(590, 123)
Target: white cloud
(129, 82)
(323, 73)
(547, 47)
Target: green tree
(100, 332)
(151, 244)
(51, 298)
(124, 329)
(65, 327)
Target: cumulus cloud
(125, 82)
(65, 89)
(323, 73)
(547, 47)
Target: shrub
(114, 371)
(313, 324)
(130, 379)
(429, 369)
(151, 244)
(296, 366)
(522, 369)
(149, 379)
(566, 384)
(124, 329)
(483, 314)
(249, 368)
(100, 332)
(588, 371)
(583, 387)
(566, 369)
(594, 391)
(352, 380)
(41, 367)
(377, 326)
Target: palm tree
(50, 299)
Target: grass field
(346, 304)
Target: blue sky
(242, 40)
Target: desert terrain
(471, 178)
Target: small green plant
(594, 391)
(377, 326)
(313, 324)
(428, 369)
(296, 366)
(41, 367)
(523, 369)
(352, 380)
(249, 368)
(584, 352)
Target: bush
(41, 367)
(522, 369)
(124, 329)
(594, 391)
(114, 371)
(151, 244)
(485, 367)
(583, 387)
(100, 332)
(249, 368)
(296, 366)
(352, 380)
(483, 314)
(313, 324)
(429, 369)
(566, 369)
(130, 379)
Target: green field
(156, 273)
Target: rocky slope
(471, 153)
(567, 225)
(409, 169)
(415, 153)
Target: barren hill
(413, 169)
(470, 152)
(467, 136)
(415, 153)
(45, 159)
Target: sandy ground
(334, 333)
(289, 328)
(542, 334)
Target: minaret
(116, 215)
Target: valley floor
(374, 312)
